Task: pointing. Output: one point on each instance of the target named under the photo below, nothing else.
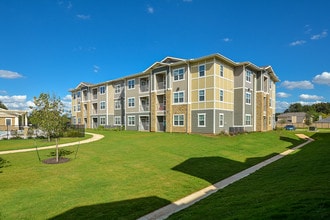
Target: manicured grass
(128, 174)
(15, 144)
(295, 187)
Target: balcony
(161, 107)
(144, 108)
(144, 88)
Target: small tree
(48, 116)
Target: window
(247, 119)
(201, 95)
(117, 104)
(131, 84)
(102, 120)
(248, 97)
(78, 107)
(102, 105)
(221, 95)
(270, 102)
(131, 120)
(221, 119)
(178, 120)
(74, 108)
(78, 94)
(178, 74)
(102, 89)
(221, 70)
(201, 70)
(131, 102)
(117, 88)
(178, 97)
(201, 120)
(74, 95)
(117, 120)
(248, 75)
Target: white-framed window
(178, 74)
(131, 102)
(102, 105)
(131, 120)
(74, 108)
(221, 119)
(74, 95)
(117, 120)
(178, 97)
(102, 90)
(221, 70)
(221, 95)
(202, 120)
(178, 120)
(131, 84)
(102, 120)
(201, 70)
(248, 98)
(78, 107)
(270, 102)
(78, 94)
(117, 104)
(248, 119)
(8, 122)
(201, 95)
(79, 121)
(74, 120)
(117, 88)
(248, 75)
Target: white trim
(178, 69)
(128, 106)
(198, 122)
(223, 120)
(131, 116)
(129, 80)
(174, 125)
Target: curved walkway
(95, 137)
(191, 199)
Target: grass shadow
(214, 169)
(127, 209)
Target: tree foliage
(3, 105)
(313, 111)
(47, 115)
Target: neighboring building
(210, 94)
(292, 118)
(12, 121)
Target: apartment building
(210, 94)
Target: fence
(303, 125)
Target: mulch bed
(53, 160)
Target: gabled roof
(290, 114)
(324, 120)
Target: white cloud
(297, 43)
(297, 84)
(282, 106)
(310, 97)
(150, 10)
(282, 95)
(323, 34)
(323, 78)
(83, 17)
(9, 74)
(96, 69)
(16, 102)
(227, 39)
(67, 98)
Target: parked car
(290, 127)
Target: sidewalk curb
(95, 137)
(191, 199)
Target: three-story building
(210, 94)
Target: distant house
(292, 118)
(12, 120)
(323, 123)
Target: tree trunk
(56, 140)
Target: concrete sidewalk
(95, 137)
(189, 200)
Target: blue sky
(51, 46)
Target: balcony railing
(144, 88)
(161, 107)
(161, 85)
(144, 108)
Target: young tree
(3, 105)
(48, 116)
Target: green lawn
(16, 144)
(296, 187)
(128, 174)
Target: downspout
(214, 105)
(188, 96)
(254, 101)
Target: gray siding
(238, 106)
(209, 121)
(228, 121)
